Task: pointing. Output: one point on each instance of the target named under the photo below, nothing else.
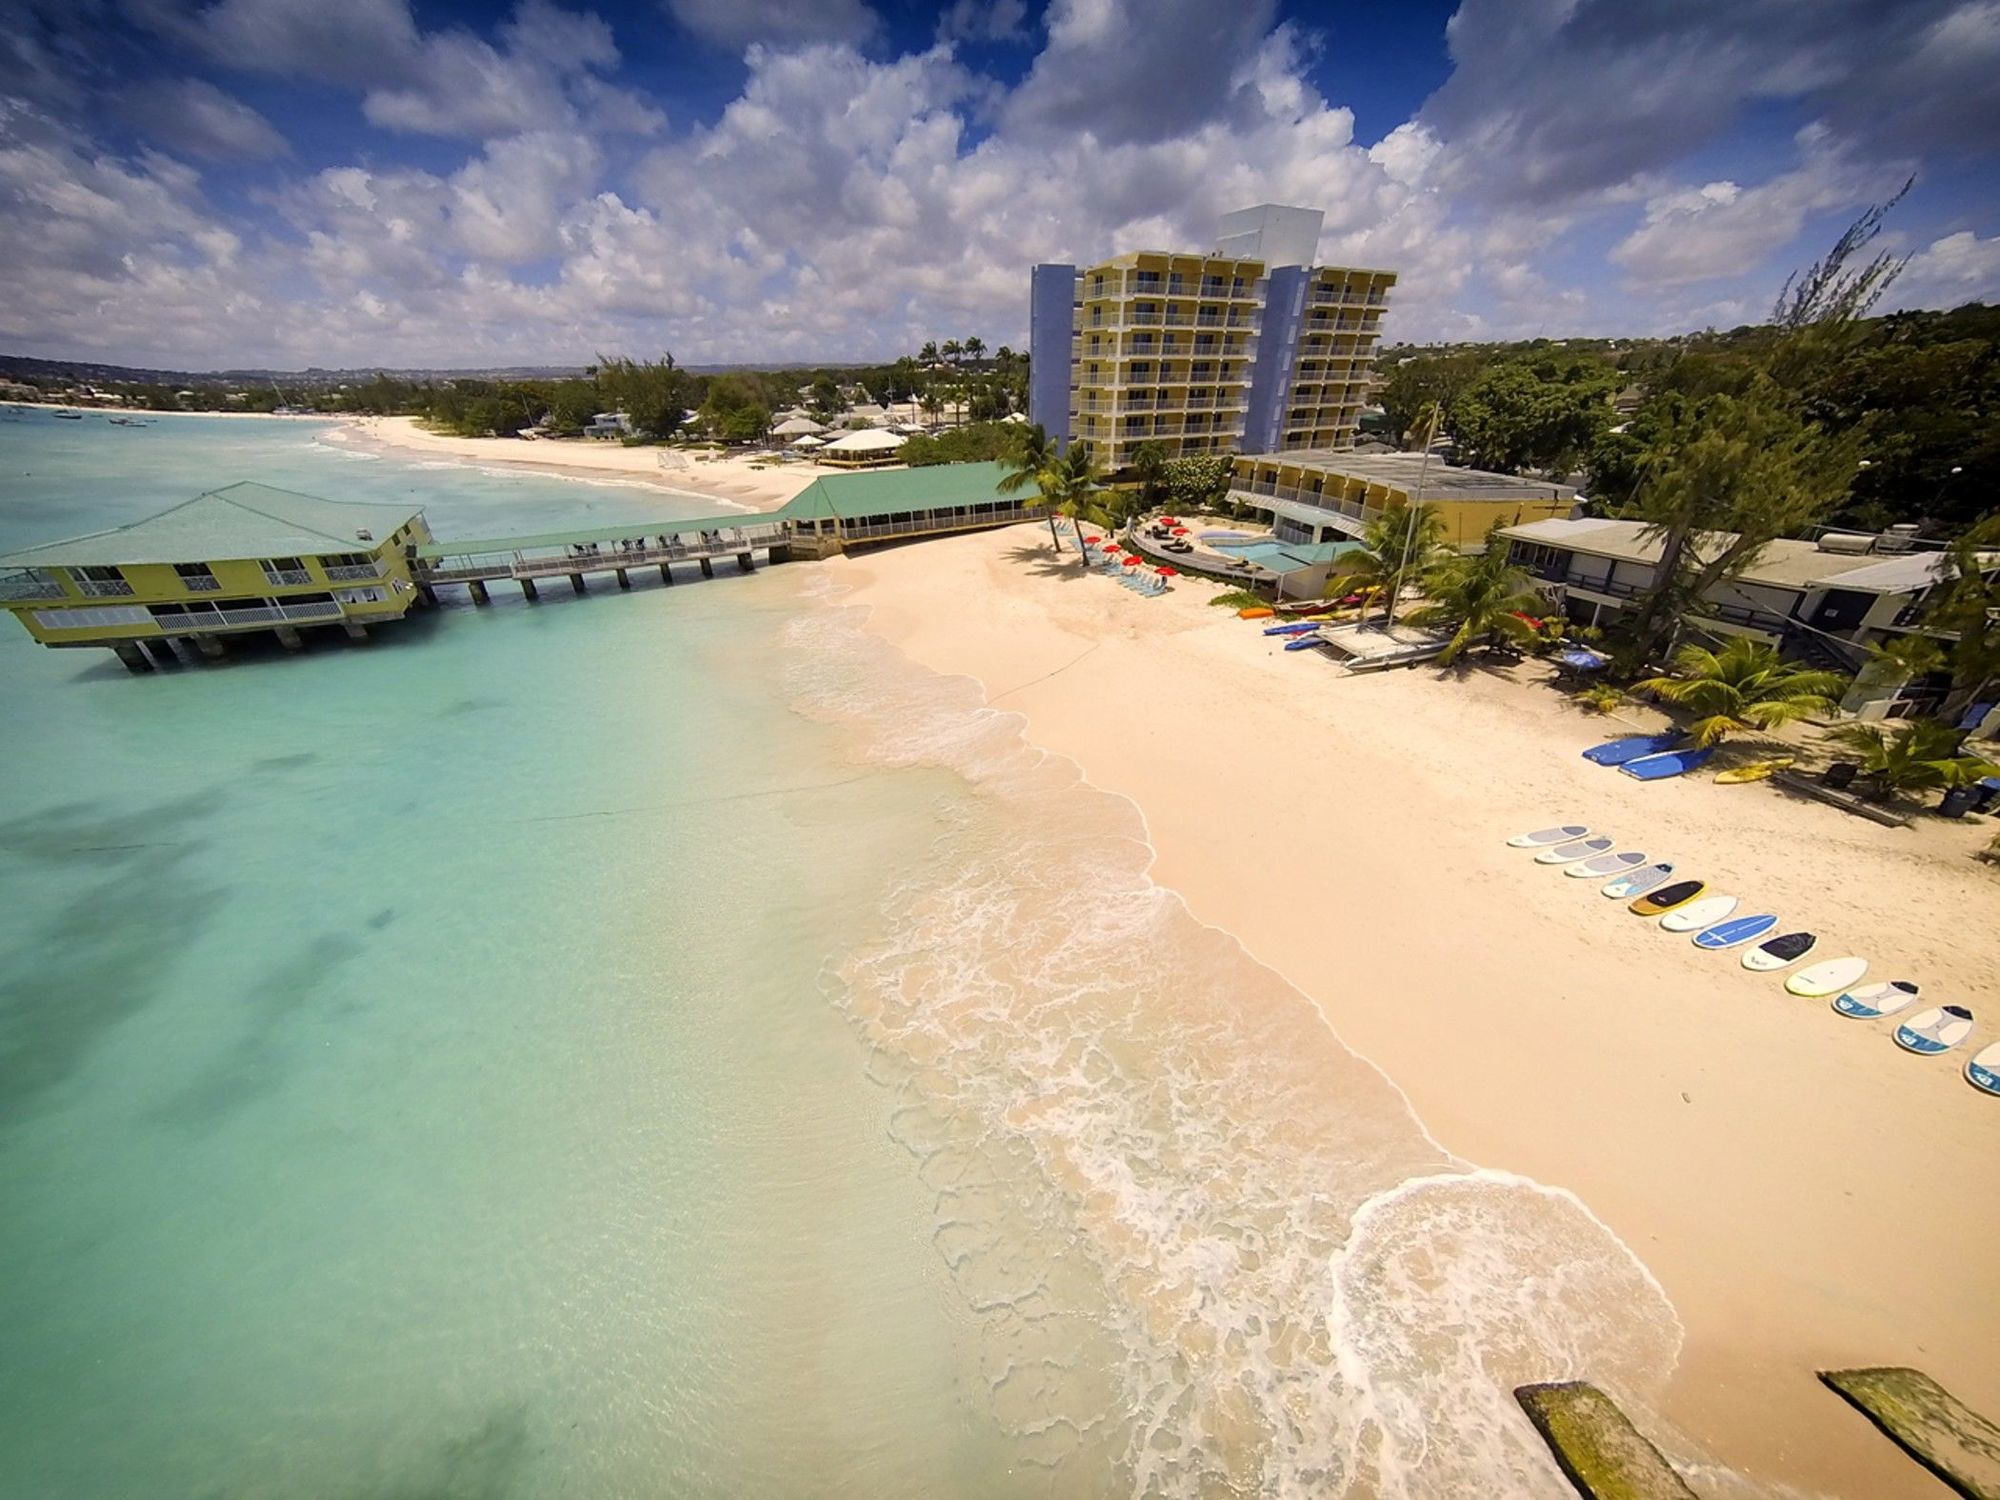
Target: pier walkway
(529, 560)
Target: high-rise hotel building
(1250, 348)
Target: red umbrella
(1168, 572)
(1093, 540)
(1113, 547)
(1180, 531)
(1168, 521)
(1133, 562)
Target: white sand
(732, 480)
(1808, 1194)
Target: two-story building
(1824, 601)
(1332, 495)
(242, 558)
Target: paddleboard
(1577, 849)
(1297, 627)
(1667, 897)
(1606, 864)
(1639, 881)
(1982, 1069)
(1303, 643)
(1673, 763)
(1697, 914)
(1829, 977)
(1936, 1030)
(1543, 837)
(1735, 931)
(1780, 952)
(1873, 1000)
(1630, 747)
(1755, 771)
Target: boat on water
(69, 416)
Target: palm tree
(1149, 466)
(1035, 463)
(929, 353)
(1400, 544)
(1917, 753)
(1480, 598)
(951, 349)
(974, 347)
(1745, 685)
(1077, 482)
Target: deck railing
(27, 586)
(176, 622)
(286, 576)
(346, 572)
(103, 588)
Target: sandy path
(1808, 1194)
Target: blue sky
(375, 182)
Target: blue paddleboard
(1304, 642)
(1296, 628)
(1735, 930)
(1617, 752)
(1673, 763)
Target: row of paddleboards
(1689, 906)
(1648, 757)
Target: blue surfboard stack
(1673, 763)
(1631, 747)
(1736, 930)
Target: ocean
(666, 1043)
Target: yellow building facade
(1333, 495)
(248, 557)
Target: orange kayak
(1261, 612)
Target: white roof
(792, 426)
(866, 442)
(1558, 529)
(1898, 575)
(807, 440)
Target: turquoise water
(664, 1043)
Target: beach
(1807, 1194)
(737, 481)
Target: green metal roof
(663, 526)
(881, 492)
(235, 522)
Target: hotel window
(197, 578)
(101, 581)
(285, 570)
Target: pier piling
(134, 658)
(356, 631)
(288, 637)
(209, 646)
(163, 652)
(743, 563)
(528, 590)
(477, 588)
(707, 568)
(666, 574)
(624, 578)
(576, 582)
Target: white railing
(255, 614)
(346, 572)
(283, 576)
(103, 588)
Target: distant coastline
(148, 413)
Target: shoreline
(1752, 1150)
(729, 480)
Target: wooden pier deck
(530, 560)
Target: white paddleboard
(1605, 864)
(1697, 914)
(1982, 1069)
(1542, 837)
(1625, 887)
(1938, 1029)
(1780, 952)
(1828, 978)
(1873, 1000)
(1577, 849)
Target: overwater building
(244, 558)
(1248, 347)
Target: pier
(618, 550)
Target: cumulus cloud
(195, 118)
(735, 24)
(984, 21)
(1723, 229)
(1954, 269)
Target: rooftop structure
(1246, 347)
(246, 557)
(871, 446)
(1824, 602)
(1328, 494)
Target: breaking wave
(1209, 1249)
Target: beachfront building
(838, 511)
(1247, 348)
(1824, 601)
(1332, 494)
(866, 449)
(243, 558)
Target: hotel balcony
(102, 588)
(354, 572)
(236, 617)
(28, 586)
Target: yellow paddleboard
(1755, 771)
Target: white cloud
(196, 118)
(735, 24)
(1722, 229)
(1952, 270)
(984, 21)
